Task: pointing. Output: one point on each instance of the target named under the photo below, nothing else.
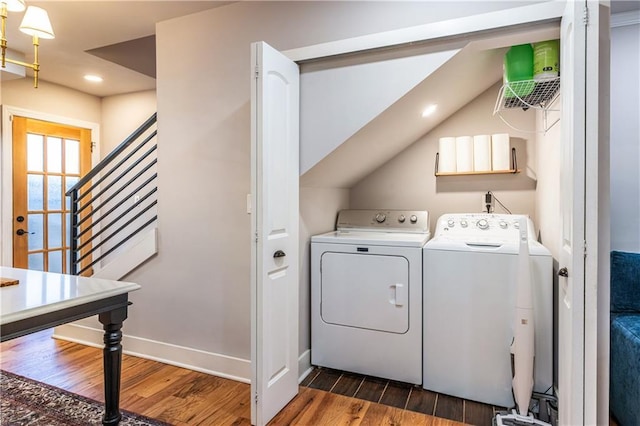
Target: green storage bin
(546, 59)
(518, 71)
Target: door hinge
(93, 145)
(257, 72)
(585, 248)
(585, 16)
(256, 236)
(256, 398)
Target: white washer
(366, 294)
(470, 269)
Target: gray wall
(625, 137)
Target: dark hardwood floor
(401, 395)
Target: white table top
(43, 292)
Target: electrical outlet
(488, 202)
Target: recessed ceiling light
(429, 110)
(93, 78)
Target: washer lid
(373, 238)
(444, 243)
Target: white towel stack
(447, 155)
(500, 152)
(479, 153)
(482, 153)
(464, 154)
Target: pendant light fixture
(34, 23)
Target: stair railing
(114, 201)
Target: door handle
(22, 232)
(279, 253)
(563, 272)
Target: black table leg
(112, 357)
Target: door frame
(504, 20)
(6, 166)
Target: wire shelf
(525, 94)
(528, 94)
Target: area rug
(26, 402)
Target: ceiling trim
(626, 18)
(429, 32)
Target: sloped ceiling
(338, 100)
(138, 55)
(474, 69)
(451, 86)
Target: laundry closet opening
(365, 144)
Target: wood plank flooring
(184, 397)
(401, 395)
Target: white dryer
(366, 294)
(470, 269)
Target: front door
(48, 159)
(274, 279)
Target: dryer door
(368, 291)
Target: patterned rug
(26, 402)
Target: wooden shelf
(514, 168)
(491, 172)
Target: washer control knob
(401, 218)
(381, 217)
(464, 223)
(503, 224)
(451, 223)
(413, 218)
(483, 224)
(516, 225)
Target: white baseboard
(193, 359)
(304, 365)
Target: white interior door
(275, 177)
(577, 387)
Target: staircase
(113, 224)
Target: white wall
(122, 114)
(625, 136)
(408, 182)
(51, 99)
(549, 155)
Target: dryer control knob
(413, 218)
(381, 217)
(464, 223)
(401, 218)
(503, 224)
(483, 224)
(451, 223)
